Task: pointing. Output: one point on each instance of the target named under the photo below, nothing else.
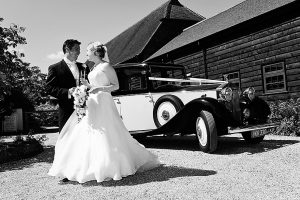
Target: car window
(131, 80)
(166, 72)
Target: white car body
(137, 110)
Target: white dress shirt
(74, 69)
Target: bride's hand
(93, 90)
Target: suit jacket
(59, 80)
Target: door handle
(150, 98)
(117, 100)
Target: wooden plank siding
(248, 54)
(194, 64)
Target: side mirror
(188, 75)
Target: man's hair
(70, 43)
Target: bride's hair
(99, 48)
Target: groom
(63, 77)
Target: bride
(99, 147)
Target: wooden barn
(255, 43)
(148, 35)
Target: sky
(49, 23)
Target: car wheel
(206, 132)
(248, 139)
(165, 108)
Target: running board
(252, 128)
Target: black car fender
(184, 121)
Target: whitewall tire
(206, 132)
(165, 108)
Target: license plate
(259, 133)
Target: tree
(22, 86)
(5, 93)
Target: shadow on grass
(160, 174)
(46, 156)
(189, 143)
(237, 145)
(226, 144)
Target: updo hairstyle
(99, 49)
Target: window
(132, 79)
(233, 78)
(274, 77)
(166, 72)
(137, 83)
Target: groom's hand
(71, 90)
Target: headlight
(246, 113)
(226, 94)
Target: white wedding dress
(99, 147)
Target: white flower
(76, 102)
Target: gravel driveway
(270, 170)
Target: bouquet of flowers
(80, 95)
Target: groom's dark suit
(59, 80)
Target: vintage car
(161, 99)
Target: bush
(21, 147)
(287, 113)
(48, 116)
(44, 115)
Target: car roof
(144, 64)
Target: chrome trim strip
(185, 90)
(191, 80)
(126, 95)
